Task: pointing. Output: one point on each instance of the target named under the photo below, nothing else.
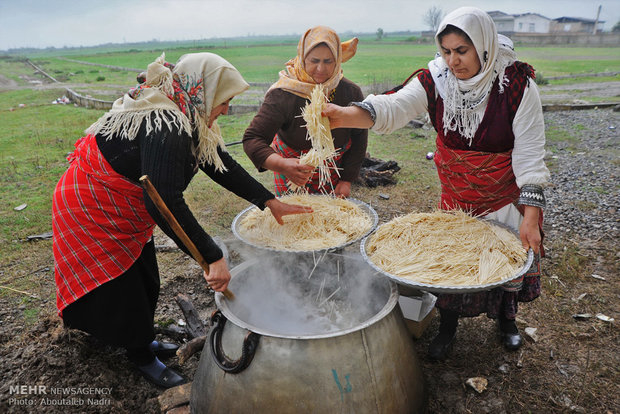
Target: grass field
(35, 139)
(374, 60)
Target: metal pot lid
(366, 208)
(446, 288)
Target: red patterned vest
(479, 178)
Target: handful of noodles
(446, 248)
(322, 153)
(334, 222)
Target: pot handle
(248, 349)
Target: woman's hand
(343, 189)
(529, 230)
(347, 116)
(292, 169)
(279, 209)
(218, 276)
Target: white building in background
(520, 23)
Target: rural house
(576, 25)
(520, 23)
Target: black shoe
(167, 379)
(440, 346)
(512, 341)
(511, 338)
(164, 349)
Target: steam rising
(306, 294)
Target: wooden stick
(175, 397)
(176, 227)
(195, 327)
(32, 295)
(190, 348)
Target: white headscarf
(465, 100)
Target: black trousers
(121, 312)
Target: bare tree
(433, 17)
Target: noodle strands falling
(334, 222)
(446, 248)
(322, 153)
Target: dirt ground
(572, 366)
(567, 365)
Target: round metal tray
(450, 289)
(365, 208)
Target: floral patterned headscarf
(181, 96)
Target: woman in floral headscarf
(107, 281)
(486, 110)
(276, 138)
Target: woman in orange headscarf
(276, 138)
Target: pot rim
(222, 305)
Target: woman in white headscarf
(107, 281)
(486, 110)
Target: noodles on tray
(333, 223)
(446, 248)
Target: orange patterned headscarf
(294, 78)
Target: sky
(60, 23)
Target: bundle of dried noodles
(318, 131)
(446, 248)
(334, 222)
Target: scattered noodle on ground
(322, 153)
(334, 222)
(446, 249)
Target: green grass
(11, 100)
(33, 147)
(73, 72)
(11, 68)
(35, 138)
(556, 136)
(585, 79)
(31, 313)
(373, 61)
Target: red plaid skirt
(281, 182)
(100, 224)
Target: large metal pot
(345, 350)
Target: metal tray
(365, 207)
(450, 289)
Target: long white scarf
(465, 100)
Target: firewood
(190, 348)
(195, 327)
(172, 331)
(174, 397)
